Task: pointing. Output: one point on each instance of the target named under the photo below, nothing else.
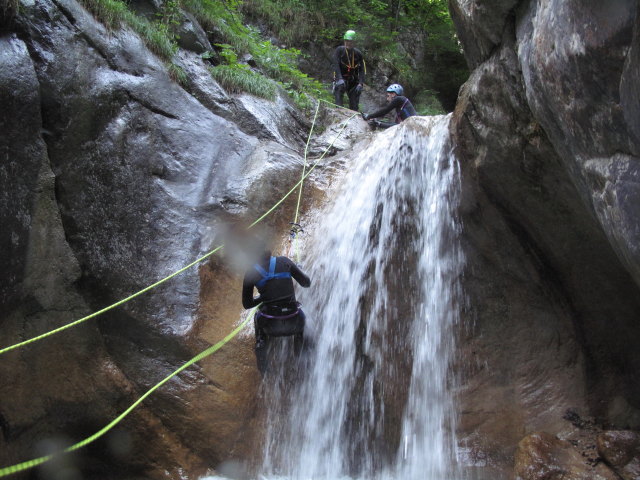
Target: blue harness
(271, 275)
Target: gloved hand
(358, 88)
(365, 116)
(339, 82)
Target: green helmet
(349, 35)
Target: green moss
(178, 74)
(236, 79)
(223, 20)
(115, 13)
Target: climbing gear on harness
(395, 88)
(280, 317)
(401, 111)
(276, 324)
(212, 349)
(195, 262)
(351, 65)
(271, 274)
(296, 228)
(349, 35)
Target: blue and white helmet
(395, 88)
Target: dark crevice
(152, 108)
(4, 427)
(95, 46)
(65, 11)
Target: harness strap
(398, 117)
(280, 317)
(351, 62)
(271, 274)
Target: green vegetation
(410, 41)
(273, 66)
(240, 78)
(177, 73)
(223, 19)
(156, 34)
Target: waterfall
(371, 397)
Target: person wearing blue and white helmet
(396, 101)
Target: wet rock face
(480, 26)
(541, 456)
(621, 451)
(550, 155)
(111, 177)
(21, 153)
(574, 61)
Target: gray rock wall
(112, 176)
(546, 128)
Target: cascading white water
(372, 399)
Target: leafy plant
(115, 13)
(178, 74)
(170, 14)
(239, 78)
(223, 19)
(412, 41)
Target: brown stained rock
(542, 456)
(549, 207)
(111, 177)
(621, 450)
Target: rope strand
(20, 467)
(168, 277)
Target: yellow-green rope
(168, 277)
(305, 175)
(209, 351)
(304, 167)
(110, 307)
(212, 349)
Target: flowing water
(370, 399)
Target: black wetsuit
(280, 314)
(348, 65)
(403, 107)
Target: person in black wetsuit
(279, 313)
(398, 102)
(349, 70)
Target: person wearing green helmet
(349, 70)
